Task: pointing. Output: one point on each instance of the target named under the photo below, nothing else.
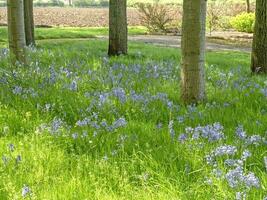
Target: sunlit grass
(139, 160)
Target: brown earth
(74, 17)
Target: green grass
(66, 32)
(136, 161)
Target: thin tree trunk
(248, 6)
(16, 31)
(29, 22)
(193, 51)
(259, 49)
(118, 32)
(70, 2)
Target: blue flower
(25, 191)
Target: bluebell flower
(225, 150)
(250, 180)
(234, 176)
(18, 159)
(25, 191)
(5, 159)
(75, 136)
(245, 154)
(171, 130)
(74, 85)
(120, 94)
(240, 133)
(121, 122)
(11, 147)
(254, 139)
(241, 196)
(17, 90)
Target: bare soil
(74, 17)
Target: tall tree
(193, 51)
(16, 30)
(118, 31)
(259, 48)
(29, 22)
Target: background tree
(118, 32)
(259, 48)
(70, 2)
(248, 6)
(29, 22)
(193, 50)
(16, 30)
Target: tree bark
(16, 30)
(193, 51)
(259, 48)
(29, 22)
(70, 2)
(248, 6)
(118, 31)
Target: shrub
(89, 3)
(155, 17)
(224, 23)
(243, 22)
(40, 3)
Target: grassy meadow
(75, 124)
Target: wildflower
(251, 180)
(171, 130)
(83, 122)
(180, 119)
(208, 181)
(240, 196)
(75, 136)
(233, 162)
(11, 147)
(159, 125)
(25, 191)
(245, 154)
(254, 139)
(234, 176)
(119, 123)
(95, 134)
(74, 85)
(105, 158)
(217, 172)
(56, 125)
(240, 133)
(18, 159)
(225, 150)
(182, 138)
(5, 159)
(17, 90)
(103, 98)
(264, 91)
(85, 134)
(120, 94)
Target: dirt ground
(74, 17)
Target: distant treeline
(104, 3)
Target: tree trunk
(118, 32)
(248, 6)
(16, 30)
(259, 49)
(193, 51)
(29, 22)
(70, 2)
